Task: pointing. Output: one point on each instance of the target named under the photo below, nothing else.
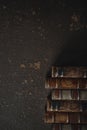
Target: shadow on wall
(74, 52)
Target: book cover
(75, 94)
(83, 117)
(52, 83)
(61, 118)
(66, 94)
(49, 117)
(56, 94)
(74, 118)
(83, 83)
(68, 83)
(83, 95)
(69, 106)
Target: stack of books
(66, 106)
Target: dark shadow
(74, 52)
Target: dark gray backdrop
(34, 35)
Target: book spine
(75, 72)
(61, 83)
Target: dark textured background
(34, 35)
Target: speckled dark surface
(33, 36)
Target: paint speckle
(36, 65)
(22, 66)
